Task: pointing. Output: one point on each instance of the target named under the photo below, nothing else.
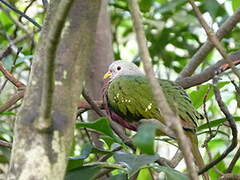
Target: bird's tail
(196, 153)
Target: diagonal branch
(213, 38)
(169, 116)
(21, 14)
(10, 77)
(5, 144)
(208, 73)
(199, 56)
(234, 161)
(12, 100)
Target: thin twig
(173, 162)
(177, 158)
(237, 88)
(211, 136)
(234, 161)
(10, 77)
(200, 55)
(24, 36)
(93, 104)
(169, 116)
(25, 10)
(12, 100)
(205, 111)
(21, 14)
(210, 159)
(86, 106)
(45, 4)
(5, 144)
(230, 177)
(15, 21)
(12, 68)
(5, 52)
(213, 38)
(231, 121)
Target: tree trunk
(41, 152)
(102, 56)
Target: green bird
(128, 98)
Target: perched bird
(128, 98)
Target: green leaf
(145, 5)
(87, 173)
(221, 166)
(212, 7)
(170, 6)
(77, 161)
(5, 20)
(217, 144)
(197, 96)
(235, 4)
(121, 176)
(171, 174)
(8, 113)
(108, 140)
(215, 123)
(134, 162)
(100, 125)
(144, 174)
(144, 139)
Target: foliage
(174, 36)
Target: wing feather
(131, 97)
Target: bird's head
(121, 68)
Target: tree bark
(102, 56)
(41, 153)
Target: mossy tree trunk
(41, 138)
(101, 58)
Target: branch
(26, 8)
(92, 103)
(231, 121)
(24, 36)
(5, 144)
(10, 77)
(21, 14)
(85, 105)
(214, 39)
(173, 162)
(234, 161)
(12, 100)
(5, 52)
(170, 118)
(230, 177)
(12, 68)
(208, 73)
(199, 56)
(15, 21)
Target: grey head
(122, 68)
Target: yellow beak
(108, 74)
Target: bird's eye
(118, 68)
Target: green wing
(131, 97)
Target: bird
(127, 98)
